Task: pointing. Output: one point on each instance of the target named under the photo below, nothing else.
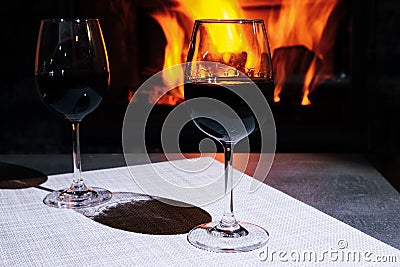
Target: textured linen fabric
(33, 234)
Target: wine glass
(72, 75)
(229, 69)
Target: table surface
(344, 186)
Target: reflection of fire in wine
(297, 28)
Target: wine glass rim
(69, 20)
(229, 21)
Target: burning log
(291, 66)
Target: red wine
(217, 121)
(72, 95)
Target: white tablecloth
(33, 234)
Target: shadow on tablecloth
(145, 214)
(14, 176)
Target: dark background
(366, 123)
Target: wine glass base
(65, 198)
(207, 237)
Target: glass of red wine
(228, 70)
(72, 76)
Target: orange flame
(279, 80)
(307, 82)
(221, 9)
(217, 9)
(175, 36)
(299, 23)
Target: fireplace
(313, 47)
(347, 105)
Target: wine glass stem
(228, 221)
(77, 182)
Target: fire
(175, 50)
(206, 9)
(299, 23)
(307, 83)
(294, 23)
(173, 55)
(279, 80)
(221, 9)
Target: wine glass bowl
(72, 76)
(72, 70)
(228, 83)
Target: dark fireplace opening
(352, 109)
